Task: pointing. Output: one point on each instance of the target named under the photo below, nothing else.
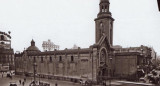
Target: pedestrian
(56, 84)
(19, 81)
(25, 79)
(23, 83)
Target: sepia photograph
(79, 42)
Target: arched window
(34, 59)
(101, 24)
(103, 57)
(72, 58)
(102, 9)
(2, 37)
(105, 9)
(60, 58)
(101, 28)
(42, 59)
(50, 58)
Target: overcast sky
(69, 22)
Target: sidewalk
(126, 83)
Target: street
(15, 79)
(5, 81)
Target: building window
(102, 9)
(101, 28)
(105, 8)
(2, 42)
(101, 24)
(60, 58)
(2, 37)
(41, 59)
(34, 59)
(50, 59)
(72, 58)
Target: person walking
(19, 81)
(23, 83)
(56, 84)
(25, 79)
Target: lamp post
(24, 72)
(110, 70)
(142, 56)
(34, 69)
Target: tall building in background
(74, 46)
(6, 52)
(49, 46)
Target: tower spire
(104, 0)
(104, 22)
(104, 7)
(32, 43)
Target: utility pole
(34, 70)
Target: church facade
(100, 61)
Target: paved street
(6, 81)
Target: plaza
(98, 63)
(5, 81)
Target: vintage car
(13, 84)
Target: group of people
(6, 75)
(35, 83)
(22, 82)
(152, 77)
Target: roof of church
(60, 52)
(104, 1)
(33, 47)
(127, 53)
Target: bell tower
(104, 22)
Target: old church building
(98, 61)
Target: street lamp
(110, 70)
(141, 51)
(34, 69)
(143, 59)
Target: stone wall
(125, 65)
(67, 65)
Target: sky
(69, 22)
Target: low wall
(62, 78)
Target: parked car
(13, 84)
(85, 82)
